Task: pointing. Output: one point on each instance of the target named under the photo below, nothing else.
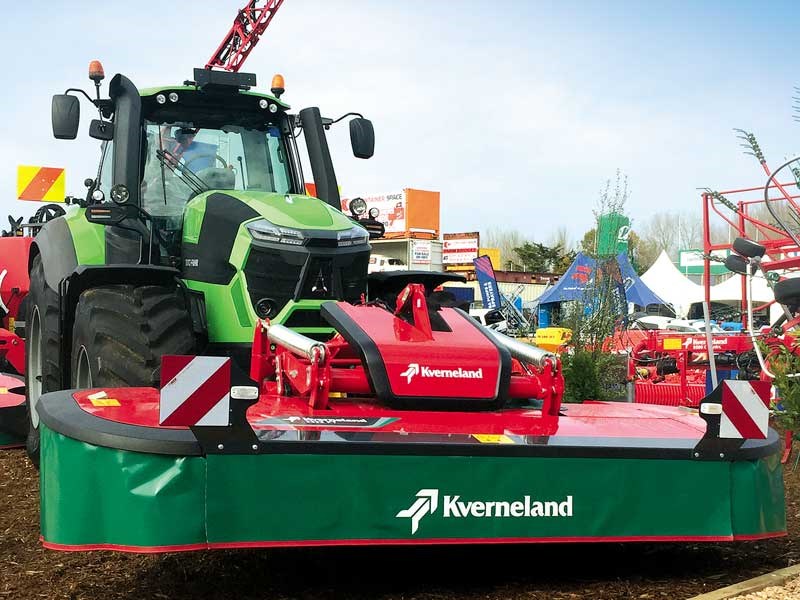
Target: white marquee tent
(669, 283)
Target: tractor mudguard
(85, 277)
(55, 245)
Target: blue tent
(580, 275)
(635, 289)
(572, 284)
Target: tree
(589, 370)
(673, 231)
(589, 242)
(643, 252)
(541, 258)
(504, 240)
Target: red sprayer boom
(248, 26)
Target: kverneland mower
(411, 425)
(241, 382)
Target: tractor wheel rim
(34, 366)
(83, 372)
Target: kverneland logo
(427, 503)
(424, 371)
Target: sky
(516, 111)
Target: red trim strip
(406, 542)
(12, 446)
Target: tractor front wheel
(122, 331)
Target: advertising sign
(421, 251)
(613, 230)
(460, 248)
(690, 262)
(490, 292)
(391, 207)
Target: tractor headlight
(266, 231)
(354, 236)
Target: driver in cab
(181, 145)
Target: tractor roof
(152, 91)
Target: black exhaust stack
(320, 157)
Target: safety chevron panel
(195, 390)
(41, 184)
(745, 409)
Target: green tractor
(196, 225)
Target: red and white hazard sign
(195, 390)
(745, 409)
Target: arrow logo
(413, 369)
(426, 503)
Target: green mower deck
(360, 474)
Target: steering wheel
(48, 212)
(206, 155)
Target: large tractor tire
(122, 331)
(42, 347)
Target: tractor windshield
(183, 159)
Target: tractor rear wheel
(122, 331)
(42, 348)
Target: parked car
(679, 325)
(379, 262)
(490, 317)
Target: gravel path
(789, 591)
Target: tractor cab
(206, 178)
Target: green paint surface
(230, 315)
(96, 495)
(9, 439)
(89, 238)
(299, 212)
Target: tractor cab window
(183, 159)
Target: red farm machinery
(372, 411)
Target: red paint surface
(139, 406)
(669, 392)
(401, 344)
(405, 542)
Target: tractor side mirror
(66, 115)
(101, 130)
(362, 137)
(110, 214)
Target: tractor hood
(284, 210)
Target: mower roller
(411, 425)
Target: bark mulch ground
(593, 571)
